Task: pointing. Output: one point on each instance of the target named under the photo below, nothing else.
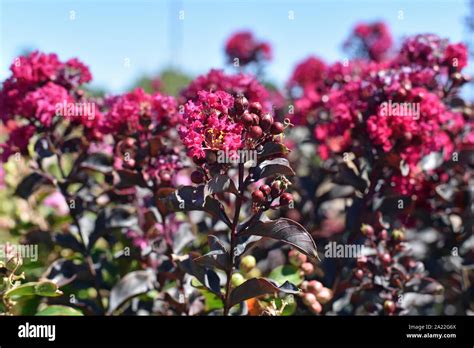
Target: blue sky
(149, 35)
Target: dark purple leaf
(257, 287)
(284, 230)
(99, 162)
(188, 198)
(206, 276)
(109, 218)
(271, 149)
(133, 284)
(274, 167)
(42, 148)
(129, 178)
(244, 243)
(30, 184)
(221, 183)
(63, 272)
(347, 176)
(217, 257)
(67, 240)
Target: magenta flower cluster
(244, 47)
(349, 105)
(208, 126)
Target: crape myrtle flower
(17, 142)
(309, 72)
(41, 103)
(239, 84)
(345, 105)
(208, 125)
(140, 123)
(244, 47)
(219, 122)
(372, 41)
(139, 111)
(29, 98)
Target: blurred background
(122, 41)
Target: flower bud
(256, 119)
(309, 298)
(247, 119)
(389, 307)
(367, 230)
(316, 308)
(255, 132)
(286, 198)
(165, 177)
(385, 258)
(197, 177)
(255, 108)
(254, 273)
(258, 197)
(240, 104)
(307, 268)
(247, 263)
(359, 274)
(266, 122)
(296, 258)
(398, 235)
(315, 287)
(237, 279)
(275, 189)
(277, 128)
(265, 189)
(325, 295)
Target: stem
(233, 239)
(89, 262)
(86, 253)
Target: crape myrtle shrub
(235, 198)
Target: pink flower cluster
(348, 104)
(138, 122)
(371, 41)
(139, 111)
(429, 50)
(239, 84)
(308, 73)
(208, 126)
(244, 47)
(29, 98)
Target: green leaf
(45, 288)
(56, 310)
(286, 273)
(212, 301)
